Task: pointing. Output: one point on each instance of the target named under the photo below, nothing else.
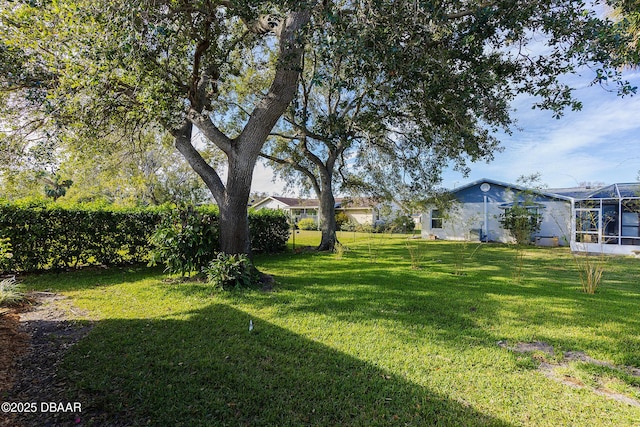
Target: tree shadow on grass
(209, 369)
(92, 277)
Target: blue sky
(600, 143)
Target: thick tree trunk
(327, 216)
(234, 221)
(234, 227)
(327, 222)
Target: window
(436, 218)
(630, 224)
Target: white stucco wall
(468, 222)
(360, 216)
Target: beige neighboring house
(359, 210)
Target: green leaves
(45, 236)
(230, 271)
(186, 240)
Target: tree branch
(197, 162)
(283, 88)
(469, 12)
(295, 165)
(211, 131)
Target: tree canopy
(428, 79)
(391, 93)
(111, 65)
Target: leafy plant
(349, 226)
(227, 271)
(185, 241)
(46, 235)
(307, 224)
(5, 254)
(10, 292)
(269, 230)
(342, 219)
(402, 224)
(522, 221)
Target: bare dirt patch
(551, 368)
(34, 339)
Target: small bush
(5, 254)
(402, 224)
(307, 224)
(185, 240)
(269, 230)
(349, 226)
(230, 271)
(522, 222)
(365, 228)
(341, 219)
(591, 269)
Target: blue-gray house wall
(476, 214)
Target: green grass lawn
(361, 338)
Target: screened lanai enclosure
(608, 221)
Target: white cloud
(263, 181)
(599, 143)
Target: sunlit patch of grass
(353, 342)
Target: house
(359, 210)
(603, 220)
(480, 204)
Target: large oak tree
(440, 74)
(128, 65)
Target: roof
(340, 202)
(297, 202)
(616, 191)
(613, 191)
(542, 192)
(572, 192)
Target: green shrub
(38, 235)
(522, 221)
(365, 228)
(307, 224)
(5, 253)
(230, 271)
(269, 230)
(349, 226)
(402, 224)
(185, 240)
(341, 219)
(49, 235)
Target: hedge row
(47, 236)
